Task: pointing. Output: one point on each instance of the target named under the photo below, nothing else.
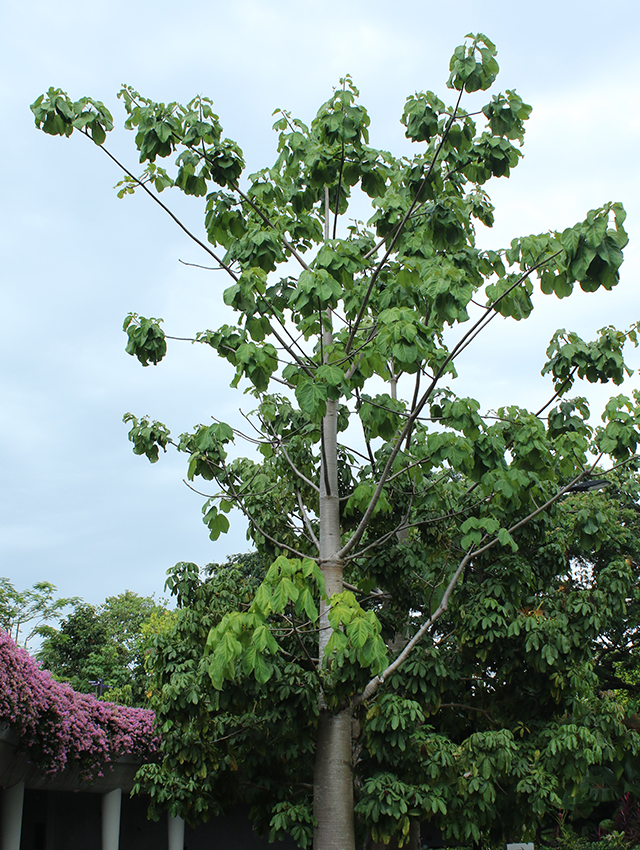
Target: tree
(504, 720)
(30, 608)
(102, 648)
(366, 539)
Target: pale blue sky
(76, 506)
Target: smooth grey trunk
(330, 565)
(330, 537)
(333, 776)
(333, 783)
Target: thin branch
(240, 433)
(372, 459)
(199, 492)
(307, 521)
(166, 209)
(558, 392)
(355, 452)
(353, 541)
(373, 545)
(477, 329)
(295, 469)
(273, 540)
(290, 351)
(491, 309)
(400, 228)
(198, 266)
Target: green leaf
(312, 397)
(358, 632)
(507, 540)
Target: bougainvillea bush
(59, 727)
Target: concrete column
(175, 827)
(11, 825)
(51, 821)
(111, 819)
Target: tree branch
(400, 227)
(307, 522)
(297, 471)
(375, 683)
(353, 541)
(166, 209)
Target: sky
(76, 506)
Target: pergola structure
(61, 811)
(19, 775)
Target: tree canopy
(24, 613)
(101, 649)
(59, 728)
(403, 532)
(520, 706)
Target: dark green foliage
(510, 710)
(252, 741)
(106, 645)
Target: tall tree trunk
(333, 783)
(330, 565)
(333, 778)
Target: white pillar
(11, 825)
(111, 819)
(175, 828)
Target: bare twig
(198, 266)
(295, 469)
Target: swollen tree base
(333, 783)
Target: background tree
(402, 493)
(24, 612)
(101, 649)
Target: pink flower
(58, 726)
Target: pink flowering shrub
(59, 727)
